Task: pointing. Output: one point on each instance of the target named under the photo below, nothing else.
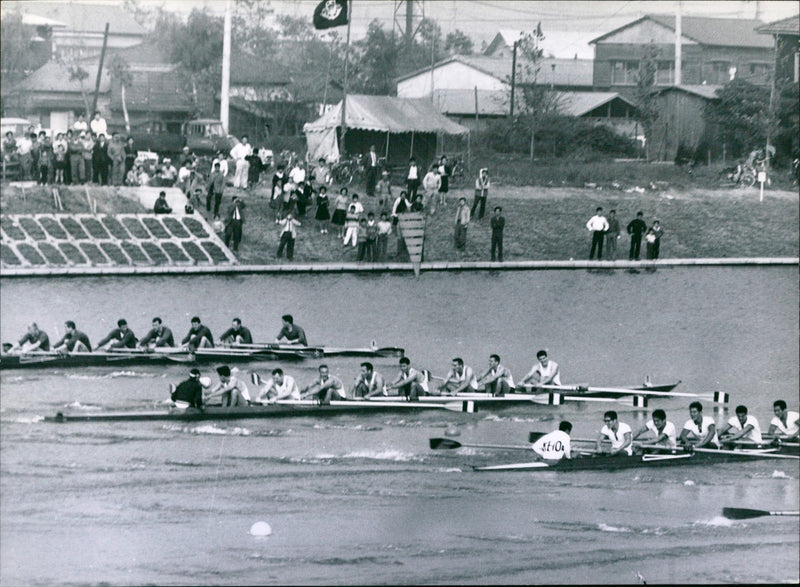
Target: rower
(555, 446)
(34, 340)
(121, 337)
(233, 390)
(189, 393)
(369, 383)
(741, 427)
(73, 341)
(279, 387)
(460, 378)
(199, 336)
(497, 379)
(785, 425)
(236, 334)
(409, 382)
(328, 387)
(664, 432)
(544, 372)
(159, 336)
(699, 430)
(618, 433)
(291, 332)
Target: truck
(203, 136)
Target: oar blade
(443, 443)
(743, 513)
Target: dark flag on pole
(330, 13)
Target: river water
(362, 499)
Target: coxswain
(233, 390)
(409, 382)
(497, 379)
(73, 341)
(279, 387)
(786, 424)
(556, 445)
(236, 334)
(199, 336)
(189, 393)
(699, 430)
(460, 378)
(741, 427)
(34, 340)
(327, 387)
(293, 333)
(616, 432)
(662, 431)
(369, 382)
(543, 372)
(121, 337)
(159, 336)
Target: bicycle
(347, 170)
(458, 172)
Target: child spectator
(384, 189)
(372, 237)
(60, 164)
(340, 212)
(361, 237)
(384, 230)
(351, 224)
(322, 215)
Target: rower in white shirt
(555, 445)
(663, 432)
(741, 427)
(280, 387)
(618, 433)
(544, 372)
(460, 378)
(785, 424)
(699, 430)
(233, 390)
(327, 387)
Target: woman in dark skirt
(323, 215)
(340, 212)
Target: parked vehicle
(158, 136)
(206, 136)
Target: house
(681, 123)
(786, 33)
(714, 51)
(607, 108)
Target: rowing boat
(139, 356)
(325, 351)
(280, 409)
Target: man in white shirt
(369, 383)
(412, 179)
(223, 164)
(327, 387)
(371, 169)
(298, 173)
(741, 427)
(288, 235)
(663, 432)
(699, 430)
(233, 390)
(80, 125)
(98, 125)
(462, 223)
(785, 424)
(280, 387)
(460, 378)
(239, 153)
(556, 445)
(545, 372)
(618, 433)
(597, 225)
(497, 379)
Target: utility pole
(99, 74)
(344, 95)
(224, 95)
(678, 48)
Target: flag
(330, 13)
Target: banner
(330, 13)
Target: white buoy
(260, 529)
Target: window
(758, 72)
(624, 72)
(718, 72)
(665, 74)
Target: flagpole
(344, 96)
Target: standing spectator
(498, 223)
(288, 236)
(322, 174)
(161, 206)
(216, 185)
(116, 152)
(636, 229)
(36, 147)
(463, 215)
(481, 193)
(234, 219)
(77, 170)
(130, 155)
(384, 188)
(322, 215)
(80, 125)
(412, 179)
(68, 141)
(60, 140)
(98, 125)
(384, 230)
(185, 158)
(46, 160)
(653, 239)
(298, 172)
(60, 163)
(255, 169)
(240, 152)
(371, 171)
(10, 147)
(444, 172)
(361, 238)
(597, 225)
(223, 164)
(100, 161)
(372, 238)
(351, 225)
(304, 195)
(612, 234)
(279, 178)
(24, 145)
(431, 183)
(87, 150)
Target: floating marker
(721, 397)
(260, 529)
(639, 401)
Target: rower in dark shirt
(189, 393)
(291, 332)
(73, 340)
(159, 336)
(122, 337)
(237, 334)
(34, 340)
(199, 336)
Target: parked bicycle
(458, 172)
(347, 170)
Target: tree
(77, 73)
(375, 63)
(120, 70)
(645, 97)
(458, 43)
(537, 101)
(741, 116)
(19, 54)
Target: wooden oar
(717, 396)
(745, 514)
(745, 453)
(447, 443)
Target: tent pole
(386, 155)
(411, 154)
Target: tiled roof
(254, 70)
(787, 26)
(86, 17)
(709, 92)
(580, 103)
(54, 77)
